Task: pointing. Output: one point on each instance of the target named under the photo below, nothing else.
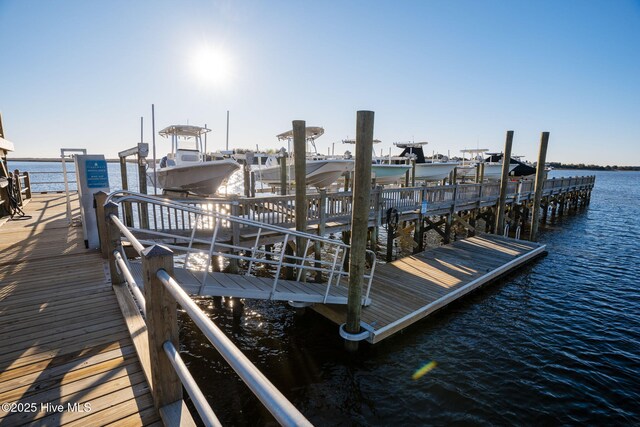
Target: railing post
(16, 179)
(235, 235)
(128, 211)
(99, 199)
(413, 172)
(162, 325)
(322, 207)
(112, 241)
(27, 184)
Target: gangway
(199, 234)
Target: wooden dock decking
(409, 289)
(64, 339)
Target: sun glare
(212, 66)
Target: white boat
(321, 171)
(186, 168)
(381, 170)
(434, 171)
(425, 170)
(386, 174)
(492, 170)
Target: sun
(211, 65)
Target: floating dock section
(409, 289)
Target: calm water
(557, 342)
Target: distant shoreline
(555, 165)
(58, 160)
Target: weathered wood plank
(64, 338)
(409, 289)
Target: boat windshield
(188, 144)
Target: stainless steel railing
(269, 395)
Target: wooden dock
(409, 289)
(64, 338)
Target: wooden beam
(162, 325)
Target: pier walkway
(64, 339)
(409, 289)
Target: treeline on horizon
(559, 165)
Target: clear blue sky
(455, 73)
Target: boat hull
(388, 174)
(434, 171)
(200, 178)
(492, 171)
(319, 173)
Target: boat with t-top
(187, 168)
(321, 171)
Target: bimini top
(311, 132)
(410, 144)
(183, 130)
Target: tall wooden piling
(542, 156)
(359, 221)
(506, 158)
(283, 174)
(300, 163)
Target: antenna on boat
(205, 140)
(141, 130)
(227, 130)
(153, 139)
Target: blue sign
(97, 175)
(423, 209)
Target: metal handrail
(199, 401)
(331, 268)
(128, 234)
(133, 196)
(277, 404)
(272, 398)
(128, 277)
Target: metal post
(153, 140)
(359, 221)
(506, 158)
(542, 155)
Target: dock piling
(359, 222)
(506, 158)
(540, 173)
(300, 164)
